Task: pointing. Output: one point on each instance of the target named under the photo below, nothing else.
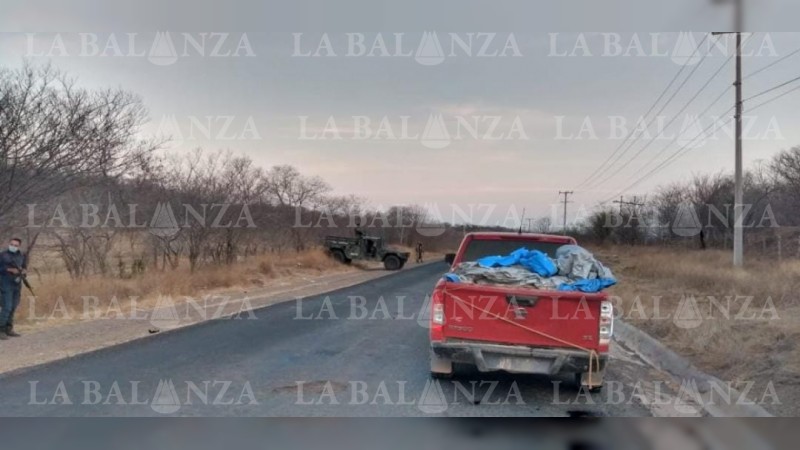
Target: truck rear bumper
(515, 358)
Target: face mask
(13, 248)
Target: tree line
(90, 195)
(699, 212)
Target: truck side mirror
(449, 258)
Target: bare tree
(667, 203)
(786, 168)
(195, 187)
(296, 195)
(599, 225)
(403, 219)
(55, 136)
(542, 225)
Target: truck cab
(518, 329)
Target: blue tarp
(577, 270)
(533, 260)
(588, 285)
(451, 277)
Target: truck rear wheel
(339, 256)
(441, 367)
(593, 385)
(392, 262)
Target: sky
(464, 107)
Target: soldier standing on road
(419, 252)
(13, 266)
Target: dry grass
(750, 333)
(60, 298)
(711, 271)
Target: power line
(663, 107)
(622, 202)
(667, 161)
(716, 100)
(685, 149)
(663, 149)
(652, 107)
(691, 100)
(772, 64)
(772, 89)
(674, 118)
(774, 98)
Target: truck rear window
(478, 248)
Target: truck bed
(521, 315)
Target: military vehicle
(367, 248)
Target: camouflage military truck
(368, 248)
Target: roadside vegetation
(698, 212)
(741, 325)
(106, 213)
(60, 299)
(672, 254)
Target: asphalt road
(358, 351)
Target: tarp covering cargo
(532, 260)
(573, 269)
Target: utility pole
(738, 207)
(565, 194)
(529, 223)
(633, 219)
(634, 204)
(622, 202)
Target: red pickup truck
(518, 329)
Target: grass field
(741, 325)
(59, 297)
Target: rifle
(23, 277)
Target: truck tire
(441, 367)
(579, 382)
(392, 262)
(339, 256)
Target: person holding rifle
(13, 270)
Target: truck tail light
(606, 322)
(437, 315)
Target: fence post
(780, 248)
